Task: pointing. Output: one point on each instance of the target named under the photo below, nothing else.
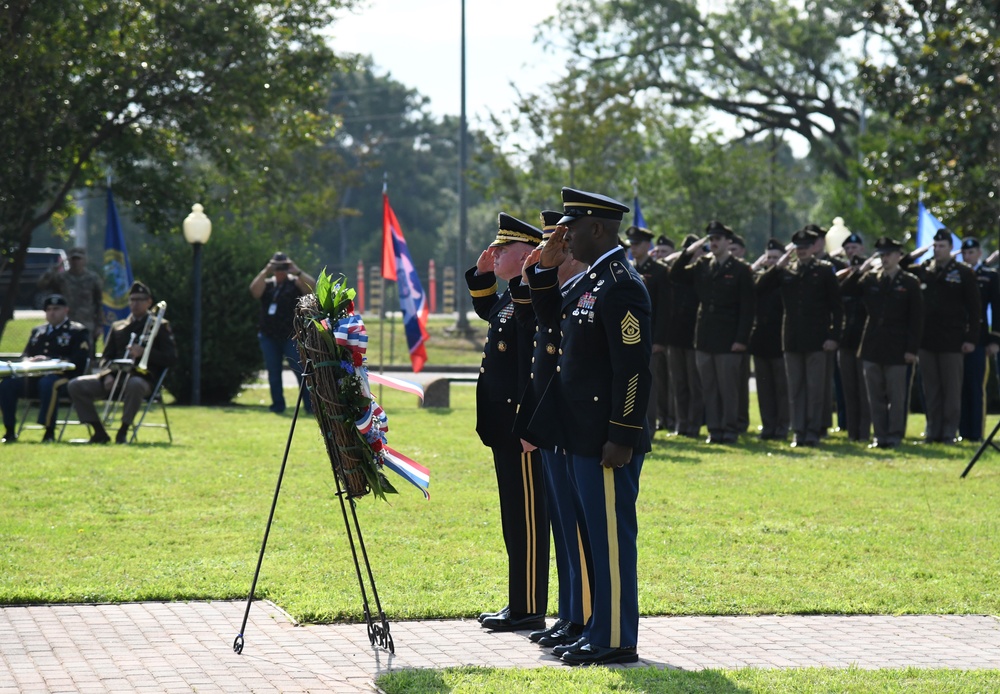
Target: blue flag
(927, 226)
(637, 219)
(117, 270)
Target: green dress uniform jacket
(895, 323)
(163, 354)
(952, 312)
(813, 312)
(657, 279)
(726, 293)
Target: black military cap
(970, 243)
(579, 203)
(139, 289)
(638, 233)
(280, 257)
(943, 235)
(887, 245)
(853, 238)
(662, 240)
(717, 228)
(774, 245)
(513, 230)
(805, 236)
(550, 219)
(54, 300)
(817, 229)
(738, 240)
(688, 240)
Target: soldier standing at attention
(891, 337)
(684, 383)
(83, 289)
(503, 376)
(811, 327)
(852, 373)
(725, 317)
(594, 408)
(765, 346)
(952, 317)
(973, 419)
(657, 279)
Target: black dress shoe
(599, 655)
(568, 634)
(560, 651)
(499, 613)
(99, 437)
(542, 633)
(10, 436)
(50, 436)
(122, 435)
(514, 621)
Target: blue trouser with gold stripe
(606, 502)
(42, 387)
(574, 584)
(525, 523)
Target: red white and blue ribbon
(415, 473)
(397, 384)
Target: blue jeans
(275, 351)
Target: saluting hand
(487, 260)
(555, 250)
(830, 345)
(530, 260)
(910, 358)
(968, 348)
(992, 349)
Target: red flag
(389, 222)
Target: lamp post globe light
(197, 230)
(836, 235)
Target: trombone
(124, 367)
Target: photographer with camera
(278, 288)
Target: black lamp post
(197, 230)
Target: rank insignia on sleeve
(630, 329)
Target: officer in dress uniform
(952, 316)
(503, 376)
(657, 279)
(852, 374)
(973, 419)
(811, 327)
(893, 329)
(571, 565)
(661, 379)
(725, 317)
(60, 338)
(765, 346)
(594, 408)
(123, 343)
(684, 382)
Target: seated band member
(60, 338)
(124, 343)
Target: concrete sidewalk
(183, 647)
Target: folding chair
(62, 402)
(155, 397)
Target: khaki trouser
(807, 374)
(772, 396)
(887, 396)
(720, 387)
(941, 373)
(86, 390)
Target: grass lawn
(756, 529)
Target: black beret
(805, 236)
(885, 245)
(970, 243)
(639, 233)
(54, 300)
(579, 203)
(853, 238)
(943, 235)
(774, 245)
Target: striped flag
(397, 265)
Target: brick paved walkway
(181, 647)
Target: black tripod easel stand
(988, 441)
(377, 632)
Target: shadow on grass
(652, 677)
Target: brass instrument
(148, 335)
